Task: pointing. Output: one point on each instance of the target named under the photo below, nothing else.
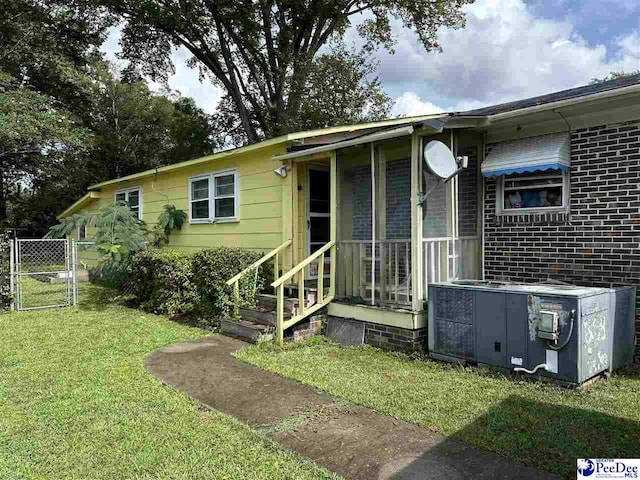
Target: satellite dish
(439, 159)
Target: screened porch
(388, 247)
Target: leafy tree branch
(261, 51)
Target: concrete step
(243, 329)
(264, 315)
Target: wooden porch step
(310, 293)
(246, 330)
(262, 315)
(270, 302)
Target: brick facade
(310, 328)
(598, 242)
(394, 338)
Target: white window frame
(500, 210)
(212, 198)
(126, 192)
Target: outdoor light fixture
(281, 171)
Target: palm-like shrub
(119, 233)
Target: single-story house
(551, 189)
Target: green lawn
(38, 293)
(75, 402)
(537, 424)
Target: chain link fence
(42, 273)
(45, 273)
(90, 269)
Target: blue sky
(598, 21)
(509, 49)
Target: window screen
(533, 191)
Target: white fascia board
(565, 103)
(374, 137)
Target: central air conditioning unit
(567, 333)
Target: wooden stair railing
(299, 272)
(275, 254)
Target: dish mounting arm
(463, 162)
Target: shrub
(212, 268)
(119, 233)
(162, 281)
(5, 291)
(170, 219)
(110, 274)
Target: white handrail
(302, 264)
(303, 312)
(259, 262)
(235, 281)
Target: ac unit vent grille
(454, 339)
(454, 304)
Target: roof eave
(227, 153)
(84, 200)
(563, 103)
(380, 135)
(283, 139)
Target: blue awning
(544, 152)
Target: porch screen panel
(436, 209)
(375, 204)
(437, 229)
(355, 228)
(468, 244)
(451, 240)
(468, 194)
(393, 255)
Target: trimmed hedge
(174, 283)
(5, 291)
(212, 267)
(162, 281)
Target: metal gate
(42, 272)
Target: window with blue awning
(533, 154)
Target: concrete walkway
(353, 441)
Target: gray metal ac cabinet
(500, 324)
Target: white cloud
(503, 53)
(409, 104)
(630, 49)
